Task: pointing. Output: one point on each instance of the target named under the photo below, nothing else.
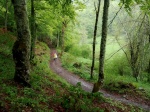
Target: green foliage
(144, 4)
(80, 51)
(71, 37)
(76, 50)
(68, 58)
(17, 97)
(50, 16)
(6, 42)
(86, 51)
(46, 19)
(116, 69)
(10, 91)
(24, 102)
(127, 4)
(118, 65)
(80, 100)
(6, 60)
(68, 47)
(78, 65)
(10, 19)
(121, 87)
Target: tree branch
(115, 52)
(115, 16)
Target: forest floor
(133, 99)
(51, 93)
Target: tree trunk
(94, 38)
(33, 31)
(64, 25)
(148, 72)
(149, 64)
(6, 6)
(58, 39)
(134, 52)
(21, 48)
(102, 47)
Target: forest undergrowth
(48, 92)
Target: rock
(141, 89)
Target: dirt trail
(74, 79)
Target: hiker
(55, 56)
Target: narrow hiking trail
(87, 86)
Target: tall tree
(21, 48)
(33, 30)
(97, 9)
(68, 14)
(149, 64)
(134, 54)
(64, 26)
(148, 68)
(102, 47)
(6, 7)
(136, 42)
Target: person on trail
(55, 56)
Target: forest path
(87, 86)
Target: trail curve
(87, 86)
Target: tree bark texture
(103, 41)
(21, 48)
(94, 38)
(102, 47)
(33, 31)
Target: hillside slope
(49, 92)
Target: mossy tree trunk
(21, 48)
(102, 47)
(97, 9)
(33, 31)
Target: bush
(80, 100)
(118, 65)
(86, 51)
(80, 51)
(68, 47)
(68, 60)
